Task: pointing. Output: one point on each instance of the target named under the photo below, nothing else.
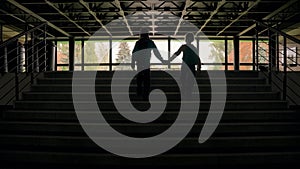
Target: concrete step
(104, 96)
(46, 159)
(115, 117)
(142, 105)
(148, 130)
(67, 74)
(167, 88)
(153, 81)
(188, 145)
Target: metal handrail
(279, 32)
(31, 61)
(284, 88)
(21, 34)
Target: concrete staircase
(257, 129)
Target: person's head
(144, 32)
(189, 37)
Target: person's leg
(187, 80)
(190, 81)
(139, 82)
(146, 83)
(183, 79)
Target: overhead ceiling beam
(289, 3)
(61, 13)
(220, 4)
(21, 20)
(118, 4)
(183, 13)
(84, 4)
(37, 16)
(241, 15)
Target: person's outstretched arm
(157, 53)
(176, 53)
(199, 65)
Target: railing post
(36, 62)
(16, 85)
(256, 47)
(270, 56)
(5, 60)
(284, 85)
(26, 54)
(32, 52)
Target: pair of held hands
(162, 61)
(167, 62)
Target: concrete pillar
(71, 53)
(226, 54)
(236, 46)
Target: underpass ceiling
(82, 18)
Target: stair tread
(156, 124)
(188, 138)
(169, 112)
(230, 101)
(108, 85)
(257, 127)
(63, 93)
(166, 155)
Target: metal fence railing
(24, 54)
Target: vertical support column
(277, 62)
(32, 38)
(55, 55)
(1, 33)
(198, 47)
(110, 54)
(236, 46)
(226, 54)
(82, 55)
(26, 47)
(284, 83)
(271, 53)
(253, 54)
(2, 67)
(169, 52)
(71, 53)
(277, 52)
(46, 58)
(256, 46)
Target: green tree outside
(124, 56)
